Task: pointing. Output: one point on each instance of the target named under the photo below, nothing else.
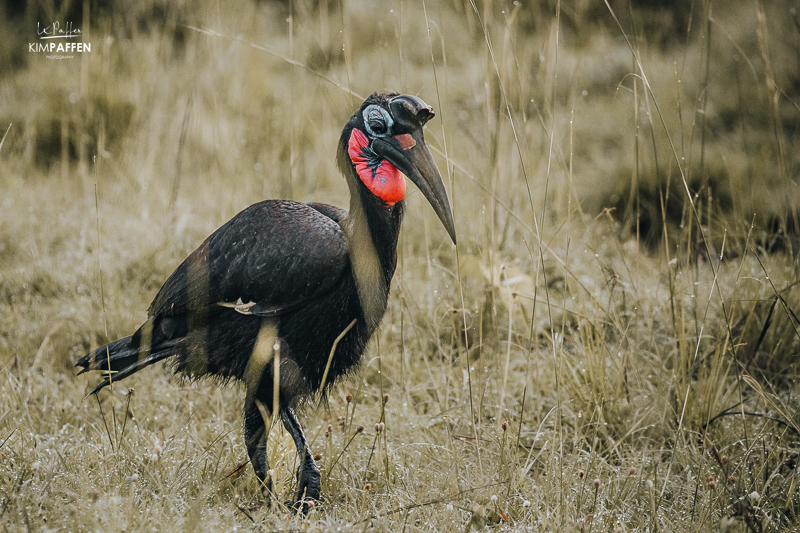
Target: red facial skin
(387, 183)
(407, 142)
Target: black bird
(286, 278)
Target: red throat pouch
(381, 177)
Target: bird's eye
(377, 124)
(377, 120)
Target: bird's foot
(266, 491)
(308, 490)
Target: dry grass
(623, 294)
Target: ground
(612, 346)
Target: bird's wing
(336, 214)
(269, 259)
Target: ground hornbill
(284, 280)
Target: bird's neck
(372, 229)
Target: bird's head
(384, 140)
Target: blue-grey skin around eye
(377, 118)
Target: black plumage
(288, 278)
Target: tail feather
(126, 356)
(164, 351)
(108, 357)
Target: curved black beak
(409, 153)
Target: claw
(302, 506)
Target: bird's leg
(308, 479)
(255, 437)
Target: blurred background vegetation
(624, 178)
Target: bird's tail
(126, 356)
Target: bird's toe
(308, 491)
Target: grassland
(617, 326)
